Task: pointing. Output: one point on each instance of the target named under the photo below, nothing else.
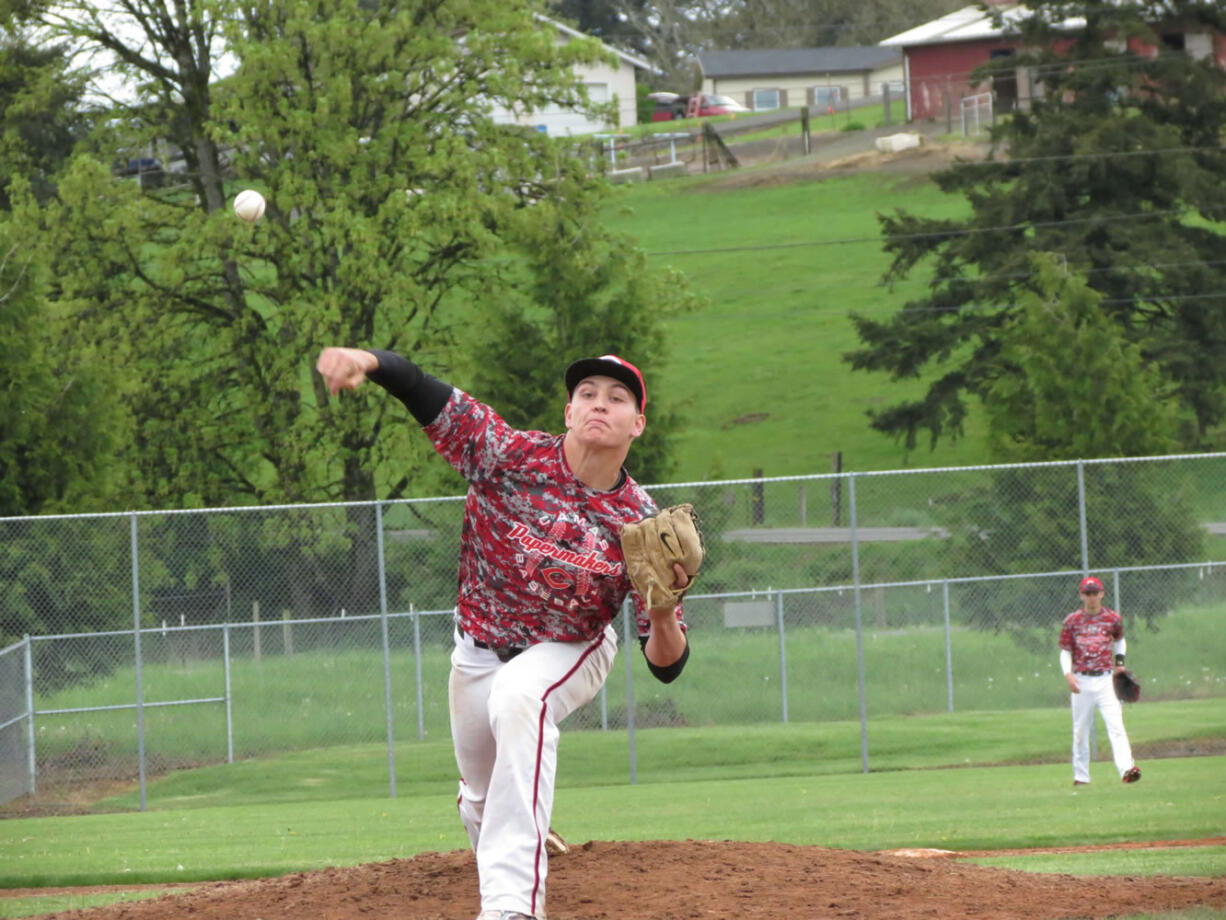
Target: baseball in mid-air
(249, 205)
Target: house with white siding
(606, 81)
(816, 77)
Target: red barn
(939, 57)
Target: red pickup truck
(692, 105)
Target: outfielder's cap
(619, 369)
(1090, 583)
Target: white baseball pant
(504, 726)
(1098, 693)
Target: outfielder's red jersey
(540, 554)
(1090, 638)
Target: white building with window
(605, 82)
(817, 77)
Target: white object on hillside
(893, 143)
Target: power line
(949, 234)
(789, 29)
(898, 287)
(974, 306)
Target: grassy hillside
(759, 371)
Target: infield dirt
(690, 880)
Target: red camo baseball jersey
(540, 555)
(1090, 639)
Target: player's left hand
(668, 613)
(663, 553)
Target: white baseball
(249, 205)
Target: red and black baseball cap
(1090, 584)
(619, 369)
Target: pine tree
(1118, 168)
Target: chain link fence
(151, 641)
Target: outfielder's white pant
(1097, 693)
(504, 726)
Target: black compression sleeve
(422, 395)
(668, 673)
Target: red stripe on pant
(536, 779)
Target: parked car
(145, 170)
(692, 105)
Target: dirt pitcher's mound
(670, 880)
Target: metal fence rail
(150, 641)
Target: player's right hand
(345, 368)
(1072, 682)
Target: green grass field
(781, 267)
(936, 779)
(220, 825)
(758, 372)
(326, 698)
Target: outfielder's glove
(1127, 688)
(651, 547)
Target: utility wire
(946, 234)
(899, 288)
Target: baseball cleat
(554, 844)
(503, 915)
(1081, 782)
(1131, 775)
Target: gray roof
(777, 61)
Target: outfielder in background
(542, 575)
(1092, 650)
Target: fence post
(387, 653)
(225, 657)
(287, 634)
(140, 692)
(255, 631)
(31, 760)
(885, 99)
(855, 579)
(757, 499)
(628, 636)
(421, 711)
(783, 655)
(804, 129)
(836, 488)
(949, 658)
(1081, 517)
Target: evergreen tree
(1118, 168)
(1068, 385)
(42, 117)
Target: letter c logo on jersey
(556, 577)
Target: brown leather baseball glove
(651, 547)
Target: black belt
(1092, 673)
(504, 652)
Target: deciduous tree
(392, 197)
(395, 202)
